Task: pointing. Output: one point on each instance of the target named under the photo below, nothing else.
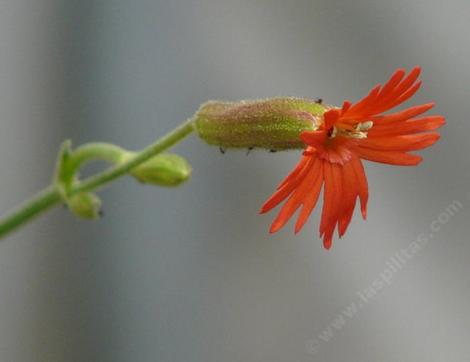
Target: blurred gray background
(191, 274)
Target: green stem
(50, 196)
(95, 151)
(39, 203)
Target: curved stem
(95, 151)
(97, 181)
(50, 196)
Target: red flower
(334, 151)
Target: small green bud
(273, 124)
(165, 169)
(85, 205)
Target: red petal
(399, 90)
(378, 101)
(402, 115)
(405, 96)
(315, 180)
(313, 137)
(292, 204)
(362, 183)
(350, 193)
(288, 186)
(363, 103)
(410, 142)
(331, 202)
(389, 157)
(293, 175)
(396, 78)
(407, 82)
(330, 117)
(346, 106)
(409, 127)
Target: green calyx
(273, 124)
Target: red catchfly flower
(334, 149)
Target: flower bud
(85, 205)
(165, 169)
(274, 123)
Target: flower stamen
(359, 131)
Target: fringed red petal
(410, 126)
(408, 142)
(389, 157)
